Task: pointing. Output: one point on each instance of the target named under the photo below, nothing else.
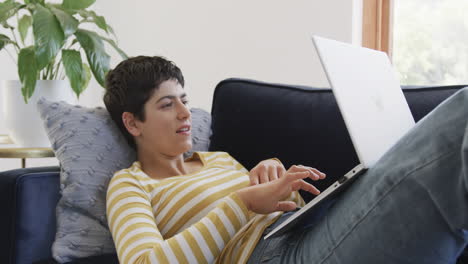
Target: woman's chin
(180, 149)
(187, 147)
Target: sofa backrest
(254, 121)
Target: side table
(23, 153)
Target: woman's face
(167, 125)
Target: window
(426, 39)
(430, 44)
(376, 25)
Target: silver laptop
(373, 107)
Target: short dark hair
(131, 84)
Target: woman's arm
(138, 239)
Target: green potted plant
(50, 42)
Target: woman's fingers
(281, 171)
(303, 185)
(254, 176)
(286, 206)
(293, 176)
(314, 173)
(266, 171)
(253, 180)
(321, 174)
(300, 168)
(297, 182)
(263, 176)
(272, 173)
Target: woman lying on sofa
(412, 207)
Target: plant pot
(22, 121)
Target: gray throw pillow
(90, 149)
(201, 131)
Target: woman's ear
(130, 124)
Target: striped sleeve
(237, 165)
(138, 239)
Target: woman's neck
(158, 165)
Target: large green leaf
(41, 2)
(60, 6)
(4, 40)
(97, 57)
(8, 9)
(114, 45)
(27, 71)
(77, 4)
(6, 25)
(24, 24)
(85, 76)
(68, 23)
(111, 30)
(100, 21)
(48, 35)
(73, 69)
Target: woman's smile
(184, 130)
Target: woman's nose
(184, 111)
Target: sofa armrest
(28, 224)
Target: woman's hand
(266, 171)
(268, 197)
(270, 170)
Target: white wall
(211, 40)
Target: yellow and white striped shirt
(193, 218)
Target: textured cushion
(90, 149)
(201, 131)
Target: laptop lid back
(369, 96)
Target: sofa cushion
(423, 100)
(102, 259)
(90, 149)
(254, 120)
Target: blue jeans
(411, 207)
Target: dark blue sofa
(251, 120)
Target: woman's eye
(167, 105)
(185, 103)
